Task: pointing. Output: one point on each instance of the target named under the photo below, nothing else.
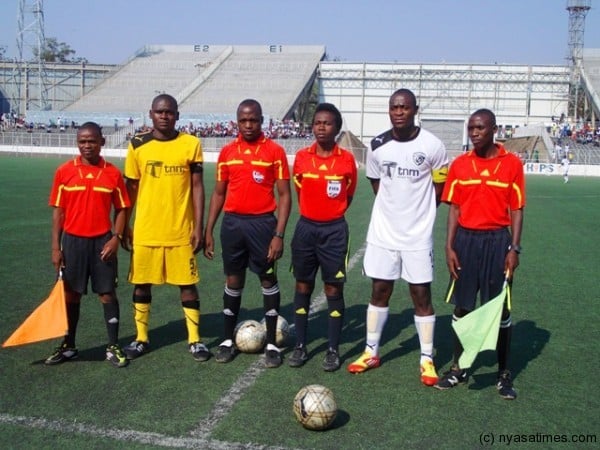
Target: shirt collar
(261, 139)
(313, 149)
(78, 161)
(501, 151)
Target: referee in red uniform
(485, 189)
(84, 239)
(249, 170)
(325, 178)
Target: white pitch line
(123, 435)
(199, 439)
(226, 403)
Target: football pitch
(167, 400)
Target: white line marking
(123, 435)
(199, 439)
(224, 405)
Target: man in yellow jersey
(163, 169)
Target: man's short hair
(252, 103)
(406, 92)
(486, 112)
(167, 97)
(91, 126)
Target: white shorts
(415, 267)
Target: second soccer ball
(250, 336)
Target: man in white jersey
(565, 167)
(407, 168)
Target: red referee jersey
(251, 170)
(87, 193)
(485, 189)
(324, 184)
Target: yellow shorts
(159, 265)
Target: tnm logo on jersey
(157, 168)
(390, 169)
(418, 158)
(154, 168)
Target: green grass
(165, 399)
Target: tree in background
(2, 52)
(54, 51)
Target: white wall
(119, 153)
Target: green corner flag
(478, 330)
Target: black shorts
(320, 244)
(245, 242)
(82, 262)
(482, 255)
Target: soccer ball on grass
(282, 333)
(315, 407)
(249, 336)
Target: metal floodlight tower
(578, 9)
(31, 66)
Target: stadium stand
(591, 77)
(275, 78)
(153, 70)
(208, 81)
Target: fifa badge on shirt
(334, 187)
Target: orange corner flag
(47, 321)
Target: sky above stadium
(428, 31)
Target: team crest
(334, 187)
(419, 158)
(257, 176)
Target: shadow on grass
(528, 342)
(341, 419)
(354, 330)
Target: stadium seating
(209, 82)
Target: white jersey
(404, 209)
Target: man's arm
(452, 225)
(58, 219)
(217, 200)
(439, 188)
(284, 206)
(198, 202)
(516, 226)
(132, 191)
(374, 185)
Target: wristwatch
(516, 247)
(278, 234)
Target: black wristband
(516, 248)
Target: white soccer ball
(282, 332)
(315, 407)
(250, 336)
